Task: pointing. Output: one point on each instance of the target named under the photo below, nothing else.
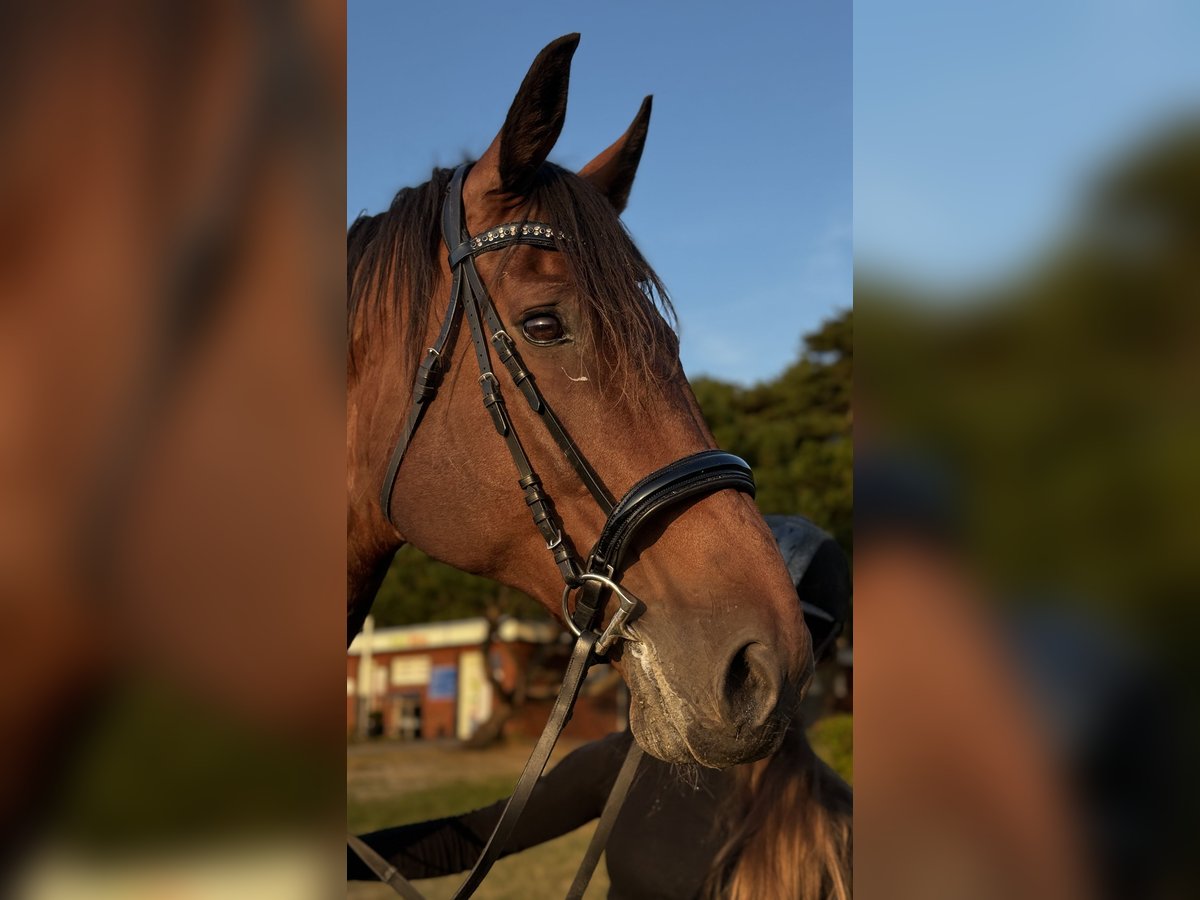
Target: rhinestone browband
(538, 234)
(506, 232)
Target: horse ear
(613, 170)
(534, 122)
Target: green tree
(1062, 401)
(419, 589)
(795, 429)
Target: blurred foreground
(171, 527)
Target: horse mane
(393, 260)
(787, 835)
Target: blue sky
(743, 199)
(977, 125)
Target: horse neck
(378, 394)
(365, 573)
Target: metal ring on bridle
(615, 629)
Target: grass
(429, 803)
(833, 739)
(545, 871)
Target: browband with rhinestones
(539, 234)
(510, 230)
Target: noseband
(685, 480)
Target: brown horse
(721, 652)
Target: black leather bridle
(686, 479)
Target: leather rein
(690, 478)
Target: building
(428, 681)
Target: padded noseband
(697, 475)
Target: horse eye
(542, 329)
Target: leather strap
(581, 659)
(429, 377)
(477, 305)
(507, 352)
(539, 234)
(612, 807)
(536, 498)
(698, 475)
(386, 872)
(701, 473)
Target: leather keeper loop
(534, 492)
(507, 352)
(495, 405)
(587, 607)
(429, 377)
(566, 566)
(596, 563)
(459, 253)
(562, 555)
(505, 348)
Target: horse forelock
(393, 267)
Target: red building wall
(593, 717)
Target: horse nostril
(751, 686)
(739, 673)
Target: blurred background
(1027, 196)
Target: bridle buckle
(615, 630)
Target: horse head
(718, 654)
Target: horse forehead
(526, 266)
(481, 213)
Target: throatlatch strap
(429, 376)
